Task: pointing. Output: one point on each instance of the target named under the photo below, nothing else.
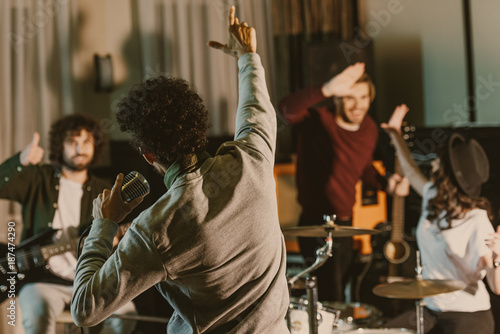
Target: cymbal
(322, 231)
(417, 288)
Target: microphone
(134, 185)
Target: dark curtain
(297, 24)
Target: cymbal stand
(322, 254)
(419, 304)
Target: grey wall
(419, 57)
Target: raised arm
(408, 164)
(17, 174)
(255, 117)
(294, 107)
(105, 281)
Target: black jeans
(480, 322)
(333, 275)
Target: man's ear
(150, 158)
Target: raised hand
(398, 185)
(396, 120)
(110, 205)
(241, 38)
(341, 84)
(33, 153)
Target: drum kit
(309, 316)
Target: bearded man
(57, 196)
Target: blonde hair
(365, 78)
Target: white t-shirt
(453, 254)
(66, 220)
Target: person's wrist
(23, 160)
(246, 49)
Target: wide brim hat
(469, 163)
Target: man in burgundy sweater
(334, 151)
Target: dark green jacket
(37, 189)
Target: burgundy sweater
(330, 160)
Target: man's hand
(110, 205)
(396, 120)
(241, 38)
(398, 185)
(32, 154)
(341, 84)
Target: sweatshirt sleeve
(295, 107)
(255, 117)
(105, 281)
(373, 178)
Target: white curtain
(35, 72)
(35, 82)
(173, 36)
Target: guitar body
(396, 252)
(30, 263)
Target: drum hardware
(354, 315)
(418, 289)
(310, 283)
(321, 231)
(329, 230)
(327, 316)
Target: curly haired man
(212, 243)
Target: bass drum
(354, 315)
(379, 331)
(299, 318)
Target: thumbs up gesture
(33, 153)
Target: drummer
(451, 233)
(335, 151)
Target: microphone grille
(134, 185)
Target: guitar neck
(58, 248)
(398, 213)
(398, 209)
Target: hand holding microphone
(126, 194)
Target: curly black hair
(71, 125)
(166, 117)
(450, 198)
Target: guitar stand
(420, 316)
(419, 304)
(310, 283)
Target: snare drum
(354, 315)
(299, 318)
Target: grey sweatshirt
(211, 245)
